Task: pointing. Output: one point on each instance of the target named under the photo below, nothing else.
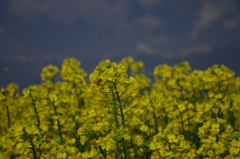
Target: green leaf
(235, 135)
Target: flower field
(118, 113)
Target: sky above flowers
(34, 33)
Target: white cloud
(103, 12)
(150, 20)
(152, 50)
(15, 43)
(160, 40)
(230, 24)
(144, 23)
(148, 3)
(38, 59)
(7, 40)
(201, 49)
(209, 14)
(144, 48)
(166, 55)
(185, 6)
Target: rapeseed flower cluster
(117, 112)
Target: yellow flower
(31, 130)
(181, 107)
(127, 136)
(83, 139)
(172, 138)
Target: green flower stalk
(111, 81)
(8, 117)
(35, 110)
(58, 122)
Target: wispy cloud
(209, 14)
(36, 59)
(150, 50)
(166, 55)
(226, 12)
(160, 40)
(102, 12)
(151, 47)
(150, 20)
(148, 3)
(13, 42)
(231, 23)
(200, 49)
(144, 48)
(10, 41)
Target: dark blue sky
(34, 33)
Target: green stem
(8, 116)
(78, 144)
(169, 147)
(120, 106)
(125, 149)
(58, 122)
(115, 152)
(116, 120)
(36, 112)
(33, 149)
(219, 86)
(194, 96)
(155, 121)
(80, 102)
(165, 116)
(183, 131)
(182, 94)
(231, 115)
(100, 147)
(115, 110)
